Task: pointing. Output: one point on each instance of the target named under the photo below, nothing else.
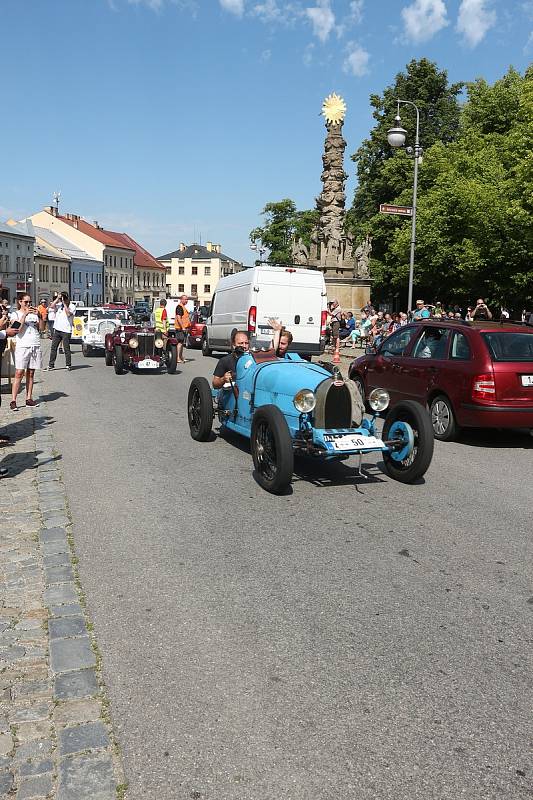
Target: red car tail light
(484, 387)
(252, 314)
(323, 319)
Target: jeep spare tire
(271, 446)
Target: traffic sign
(403, 211)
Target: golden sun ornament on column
(333, 109)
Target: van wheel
(443, 419)
(206, 350)
(200, 409)
(271, 446)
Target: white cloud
(322, 19)
(474, 20)
(233, 6)
(265, 56)
(154, 5)
(356, 61)
(355, 15)
(423, 19)
(528, 45)
(307, 57)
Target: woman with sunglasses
(28, 357)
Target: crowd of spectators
(373, 325)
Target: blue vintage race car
(290, 407)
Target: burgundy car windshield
(509, 346)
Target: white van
(248, 299)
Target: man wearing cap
(420, 312)
(335, 314)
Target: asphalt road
(353, 639)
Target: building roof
(24, 228)
(197, 252)
(43, 250)
(98, 233)
(142, 257)
(63, 245)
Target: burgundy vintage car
(140, 347)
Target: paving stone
(27, 731)
(46, 477)
(82, 737)
(36, 767)
(63, 627)
(56, 560)
(50, 548)
(28, 625)
(67, 610)
(59, 574)
(11, 653)
(74, 712)
(37, 786)
(53, 534)
(38, 749)
(31, 713)
(6, 783)
(60, 593)
(6, 744)
(55, 520)
(88, 777)
(78, 684)
(32, 689)
(71, 654)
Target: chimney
(217, 248)
(75, 220)
(209, 246)
(95, 223)
(182, 246)
(49, 209)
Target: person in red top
(182, 323)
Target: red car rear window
(509, 346)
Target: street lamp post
(28, 280)
(396, 137)
(89, 286)
(259, 249)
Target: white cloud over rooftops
(474, 20)
(356, 61)
(322, 19)
(233, 6)
(423, 19)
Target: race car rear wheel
(200, 409)
(118, 360)
(172, 359)
(271, 447)
(108, 358)
(409, 421)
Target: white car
(100, 321)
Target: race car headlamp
(159, 343)
(304, 401)
(133, 342)
(378, 399)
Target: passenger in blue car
(282, 338)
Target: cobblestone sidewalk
(56, 739)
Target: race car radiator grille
(146, 344)
(107, 326)
(333, 406)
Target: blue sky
(176, 120)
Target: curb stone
(56, 740)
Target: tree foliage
(475, 203)
(282, 222)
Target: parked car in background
(468, 375)
(197, 329)
(100, 321)
(140, 310)
(80, 318)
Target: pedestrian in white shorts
(28, 356)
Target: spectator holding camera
(64, 314)
(481, 311)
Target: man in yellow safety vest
(161, 318)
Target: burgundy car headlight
(159, 343)
(133, 342)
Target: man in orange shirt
(42, 311)
(182, 323)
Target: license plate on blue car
(350, 441)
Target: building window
(181, 270)
(181, 287)
(194, 270)
(120, 262)
(114, 261)
(207, 288)
(194, 288)
(208, 270)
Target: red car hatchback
(476, 375)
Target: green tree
(282, 223)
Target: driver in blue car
(227, 365)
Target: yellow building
(195, 270)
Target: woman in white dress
(28, 356)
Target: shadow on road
(497, 439)
(19, 462)
(51, 396)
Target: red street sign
(21, 286)
(404, 211)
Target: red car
(476, 375)
(196, 331)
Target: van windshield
(509, 346)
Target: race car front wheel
(118, 360)
(108, 358)
(409, 423)
(200, 409)
(271, 447)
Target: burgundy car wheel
(442, 419)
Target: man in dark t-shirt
(227, 365)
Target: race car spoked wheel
(108, 358)
(172, 359)
(409, 424)
(200, 409)
(118, 360)
(271, 447)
